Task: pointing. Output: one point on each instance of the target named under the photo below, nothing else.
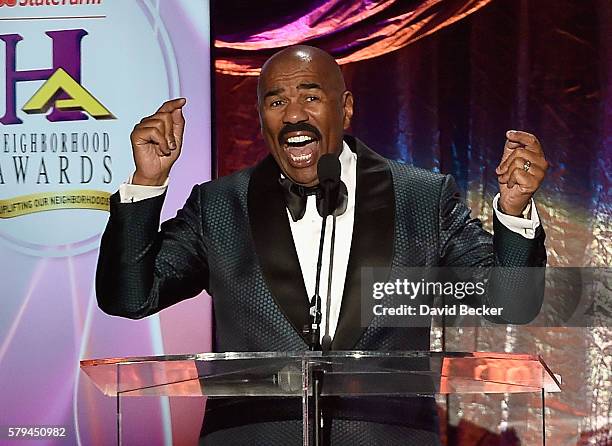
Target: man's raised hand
(156, 143)
(520, 172)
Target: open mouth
(301, 148)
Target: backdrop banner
(75, 77)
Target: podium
(310, 375)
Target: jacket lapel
(274, 244)
(372, 240)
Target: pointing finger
(178, 125)
(171, 105)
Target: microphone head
(328, 170)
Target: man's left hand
(520, 172)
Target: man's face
(304, 111)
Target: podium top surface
(348, 373)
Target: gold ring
(526, 166)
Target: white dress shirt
(306, 233)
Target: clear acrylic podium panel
(289, 374)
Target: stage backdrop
(75, 77)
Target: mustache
(300, 126)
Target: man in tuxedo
(251, 240)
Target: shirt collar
(348, 174)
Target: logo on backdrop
(34, 153)
(62, 88)
(69, 101)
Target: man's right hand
(156, 143)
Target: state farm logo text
(49, 2)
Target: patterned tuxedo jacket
(232, 238)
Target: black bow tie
(296, 196)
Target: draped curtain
(437, 84)
(351, 30)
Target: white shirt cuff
(523, 226)
(130, 193)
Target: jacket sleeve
(514, 264)
(143, 268)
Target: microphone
(328, 171)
